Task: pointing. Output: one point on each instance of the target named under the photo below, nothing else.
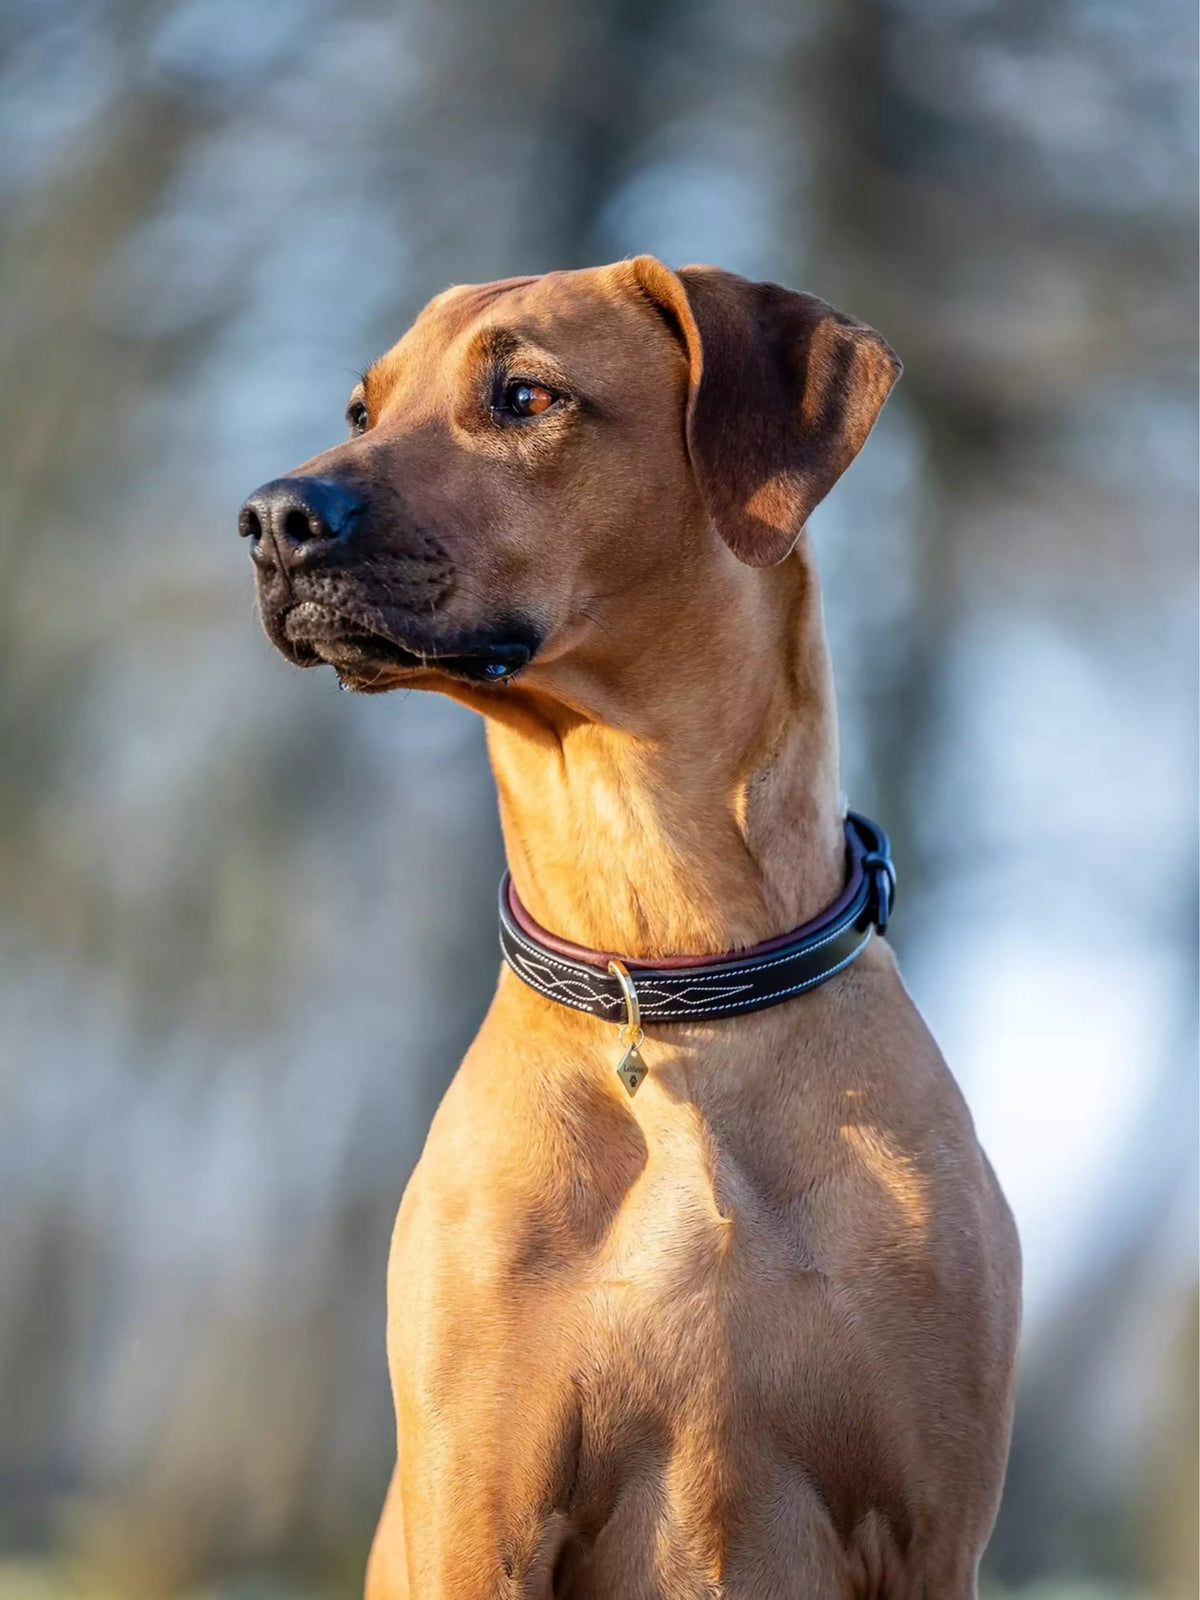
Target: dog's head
(541, 464)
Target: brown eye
(527, 399)
(356, 416)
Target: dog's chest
(692, 1270)
(691, 1350)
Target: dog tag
(631, 1069)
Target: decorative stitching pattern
(798, 988)
(581, 984)
(562, 991)
(582, 989)
(578, 992)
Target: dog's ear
(784, 391)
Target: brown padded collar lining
(855, 851)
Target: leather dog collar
(703, 988)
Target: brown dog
(751, 1333)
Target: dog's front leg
(487, 1410)
(455, 1534)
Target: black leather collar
(701, 989)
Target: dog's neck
(687, 816)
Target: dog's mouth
(368, 656)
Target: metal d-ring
(630, 1033)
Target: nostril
(299, 520)
(300, 525)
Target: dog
(750, 1332)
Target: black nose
(294, 519)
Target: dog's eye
(356, 416)
(526, 399)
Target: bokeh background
(246, 923)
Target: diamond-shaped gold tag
(631, 1069)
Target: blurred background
(229, 895)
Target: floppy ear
(784, 391)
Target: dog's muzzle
(333, 588)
